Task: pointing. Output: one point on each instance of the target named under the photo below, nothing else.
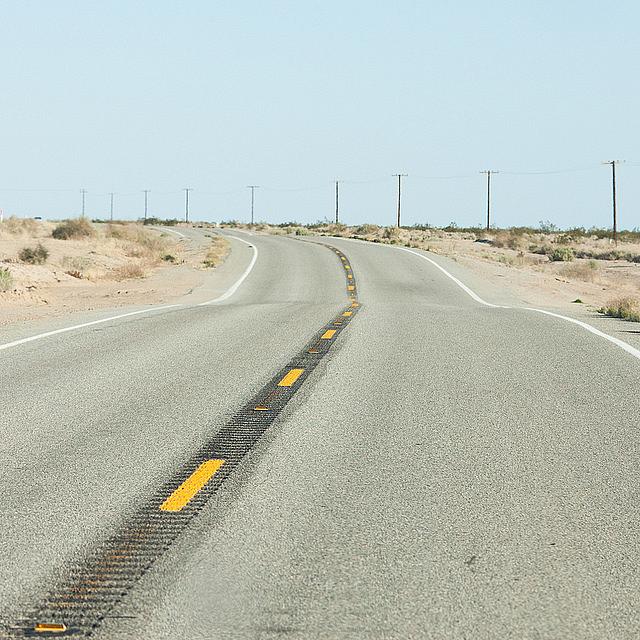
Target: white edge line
(172, 231)
(619, 343)
(234, 287)
(40, 336)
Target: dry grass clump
(217, 252)
(76, 229)
(20, 226)
(585, 271)
(626, 308)
(128, 271)
(6, 280)
(139, 241)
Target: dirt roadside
(115, 265)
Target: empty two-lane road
(448, 470)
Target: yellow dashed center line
(327, 335)
(188, 489)
(350, 287)
(290, 378)
(50, 627)
(346, 314)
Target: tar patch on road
(77, 604)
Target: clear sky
(129, 95)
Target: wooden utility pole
(613, 164)
(146, 201)
(186, 204)
(337, 202)
(399, 176)
(111, 207)
(489, 174)
(253, 188)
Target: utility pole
(337, 202)
(253, 187)
(146, 200)
(111, 208)
(399, 176)
(84, 193)
(186, 204)
(489, 174)
(613, 164)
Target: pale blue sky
(124, 95)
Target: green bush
(6, 279)
(73, 229)
(34, 255)
(562, 254)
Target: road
(447, 470)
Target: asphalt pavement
(448, 470)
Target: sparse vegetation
(585, 271)
(128, 271)
(217, 252)
(73, 230)
(626, 308)
(34, 255)
(6, 279)
(562, 254)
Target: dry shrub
(217, 252)
(625, 307)
(367, 229)
(34, 255)
(128, 271)
(509, 240)
(585, 271)
(74, 230)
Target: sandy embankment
(120, 264)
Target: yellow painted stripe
(343, 258)
(350, 287)
(188, 489)
(50, 627)
(290, 378)
(346, 314)
(347, 267)
(355, 304)
(327, 335)
(349, 276)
